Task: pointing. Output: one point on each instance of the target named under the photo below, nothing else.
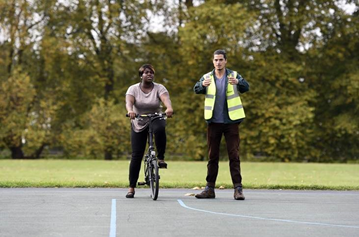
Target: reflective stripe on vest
(210, 97)
(235, 107)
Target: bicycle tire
(154, 179)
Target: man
(223, 111)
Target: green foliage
(26, 122)
(207, 27)
(65, 67)
(278, 110)
(104, 129)
(16, 97)
(334, 74)
(188, 131)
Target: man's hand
(206, 82)
(232, 80)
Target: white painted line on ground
(266, 219)
(113, 219)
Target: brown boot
(208, 192)
(238, 194)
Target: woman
(145, 98)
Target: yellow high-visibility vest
(235, 107)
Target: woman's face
(148, 75)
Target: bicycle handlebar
(149, 115)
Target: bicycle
(151, 169)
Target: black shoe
(162, 164)
(238, 194)
(208, 192)
(130, 195)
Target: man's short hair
(220, 51)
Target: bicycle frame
(151, 169)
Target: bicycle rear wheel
(154, 179)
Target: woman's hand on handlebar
(169, 112)
(131, 114)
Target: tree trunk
(38, 152)
(108, 155)
(110, 76)
(16, 152)
(189, 3)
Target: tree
(20, 22)
(106, 129)
(16, 96)
(286, 31)
(100, 37)
(333, 62)
(208, 27)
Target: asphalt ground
(106, 212)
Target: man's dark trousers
(214, 136)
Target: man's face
(219, 62)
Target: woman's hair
(220, 51)
(144, 67)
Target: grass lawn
(180, 174)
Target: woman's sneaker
(162, 164)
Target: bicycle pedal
(141, 183)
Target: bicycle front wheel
(154, 179)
